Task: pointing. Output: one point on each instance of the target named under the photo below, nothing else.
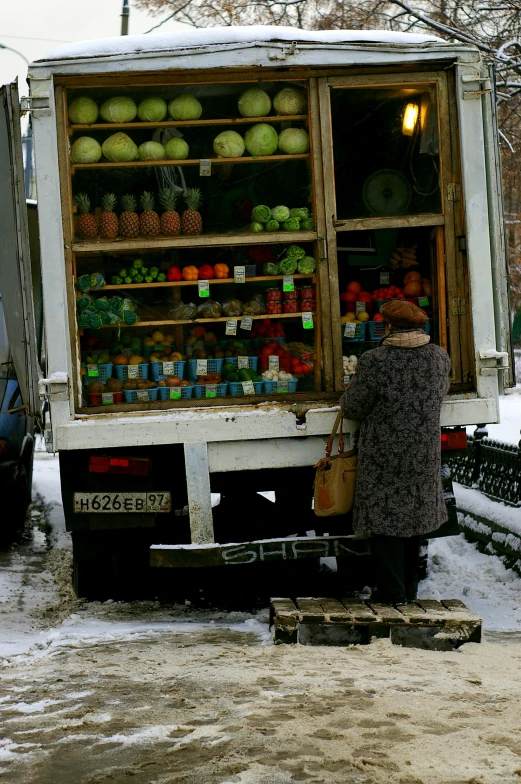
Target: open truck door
(15, 260)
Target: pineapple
(86, 226)
(108, 222)
(149, 224)
(170, 220)
(191, 221)
(129, 219)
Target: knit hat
(403, 315)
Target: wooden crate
(425, 623)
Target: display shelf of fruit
(74, 127)
(165, 322)
(85, 244)
(173, 283)
(187, 162)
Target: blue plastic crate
(252, 362)
(131, 395)
(214, 366)
(235, 388)
(360, 330)
(270, 387)
(156, 370)
(377, 330)
(164, 392)
(104, 372)
(200, 390)
(122, 371)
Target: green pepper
(116, 280)
(132, 272)
(143, 271)
(154, 272)
(161, 277)
(128, 280)
(123, 273)
(137, 264)
(148, 279)
(138, 279)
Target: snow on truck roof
(216, 36)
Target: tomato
(378, 317)
(363, 296)
(349, 296)
(354, 286)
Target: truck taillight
(136, 466)
(453, 439)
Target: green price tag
(282, 386)
(423, 302)
(175, 393)
(210, 390)
(204, 288)
(307, 321)
(92, 370)
(288, 283)
(231, 327)
(107, 398)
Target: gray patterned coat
(396, 394)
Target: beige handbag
(334, 487)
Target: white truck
(383, 148)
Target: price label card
(243, 362)
(307, 320)
(246, 322)
(282, 386)
(423, 302)
(384, 278)
(201, 367)
(273, 363)
(360, 306)
(92, 371)
(168, 368)
(210, 390)
(231, 327)
(133, 371)
(175, 393)
(350, 330)
(248, 388)
(107, 398)
(288, 284)
(204, 288)
(205, 167)
(239, 274)
(347, 379)
(142, 395)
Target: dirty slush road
(155, 694)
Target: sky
(35, 27)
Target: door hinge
(462, 243)
(453, 191)
(459, 306)
(484, 81)
(36, 104)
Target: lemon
(363, 316)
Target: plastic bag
(89, 319)
(209, 309)
(183, 312)
(232, 307)
(90, 282)
(109, 319)
(270, 268)
(101, 304)
(83, 302)
(254, 307)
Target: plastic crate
(360, 330)
(252, 362)
(156, 370)
(270, 387)
(214, 366)
(131, 395)
(200, 390)
(377, 330)
(96, 398)
(164, 392)
(148, 350)
(122, 371)
(235, 388)
(104, 372)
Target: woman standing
(396, 395)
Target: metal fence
(490, 466)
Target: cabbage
(176, 149)
(299, 212)
(292, 224)
(271, 268)
(307, 225)
(256, 226)
(229, 144)
(272, 225)
(261, 213)
(85, 150)
(151, 151)
(152, 109)
(261, 139)
(83, 110)
(119, 148)
(306, 266)
(254, 103)
(288, 266)
(294, 141)
(290, 101)
(118, 110)
(280, 214)
(295, 252)
(185, 107)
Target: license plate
(103, 503)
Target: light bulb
(410, 118)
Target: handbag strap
(329, 445)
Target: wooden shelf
(188, 162)
(200, 241)
(188, 322)
(173, 283)
(186, 123)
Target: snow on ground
(474, 502)
(509, 429)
